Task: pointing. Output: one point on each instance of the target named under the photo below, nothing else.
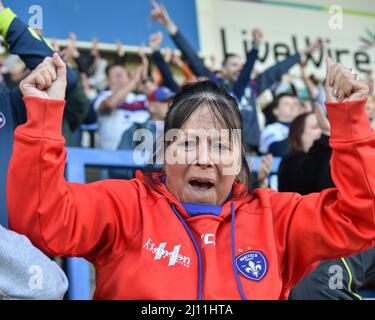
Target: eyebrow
(216, 138)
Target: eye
(220, 147)
(188, 145)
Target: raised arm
(308, 83)
(337, 222)
(252, 56)
(160, 14)
(274, 74)
(60, 218)
(117, 98)
(168, 80)
(31, 48)
(188, 74)
(26, 43)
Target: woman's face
(311, 133)
(202, 162)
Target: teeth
(201, 185)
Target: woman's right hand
(47, 81)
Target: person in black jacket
(32, 49)
(305, 168)
(339, 279)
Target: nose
(204, 159)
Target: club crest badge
(2, 121)
(252, 265)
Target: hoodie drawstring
(200, 266)
(233, 238)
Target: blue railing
(78, 269)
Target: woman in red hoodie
(194, 231)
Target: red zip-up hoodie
(143, 243)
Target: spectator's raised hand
(176, 59)
(55, 44)
(155, 41)
(265, 170)
(1, 6)
(73, 38)
(120, 49)
(72, 45)
(47, 81)
(342, 84)
(95, 48)
(137, 77)
(258, 36)
(142, 52)
(71, 51)
(315, 45)
(144, 60)
(168, 55)
(322, 119)
(160, 14)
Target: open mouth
(201, 184)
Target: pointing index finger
(154, 4)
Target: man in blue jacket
(32, 49)
(236, 74)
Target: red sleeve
(64, 219)
(337, 222)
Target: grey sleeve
(26, 273)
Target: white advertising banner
(347, 29)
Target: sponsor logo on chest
(207, 239)
(252, 265)
(161, 252)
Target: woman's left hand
(343, 85)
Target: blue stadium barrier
(78, 159)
